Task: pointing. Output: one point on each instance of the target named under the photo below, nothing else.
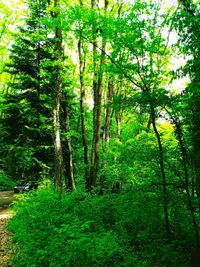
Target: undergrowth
(77, 229)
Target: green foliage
(5, 182)
(125, 227)
(112, 230)
(25, 127)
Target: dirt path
(6, 199)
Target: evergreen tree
(27, 109)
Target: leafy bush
(5, 182)
(77, 229)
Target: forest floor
(6, 213)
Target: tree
(141, 62)
(190, 16)
(92, 89)
(82, 65)
(29, 147)
(58, 179)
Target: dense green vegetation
(123, 229)
(100, 100)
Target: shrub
(77, 229)
(5, 182)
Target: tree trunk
(183, 152)
(118, 119)
(97, 89)
(58, 176)
(108, 109)
(195, 137)
(57, 141)
(162, 169)
(96, 131)
(70, 182)
(82, 108)
(106, 130)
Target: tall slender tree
(98, 63)
(59, 167)
(191, 47)
(82, 66)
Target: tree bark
(118, 119)
(58, 176)
(70, 181)
(108, 109)
(106, 130)
(97, 90)
(82, 108)
(179, 134)
(96, 129)
(162, 169)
